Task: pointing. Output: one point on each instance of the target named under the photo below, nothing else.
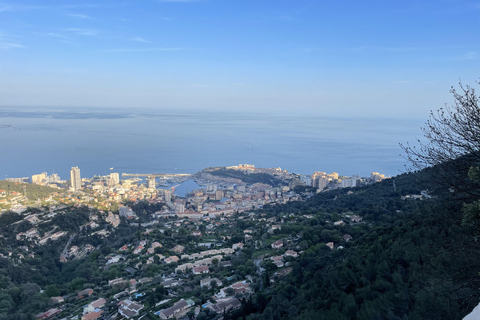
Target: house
(184, 267)
(73, 250)
(283, 272)
(94, 315)
(277, 244)
(171, 259)
(238, 287)
(224, 305)
(138, 249)
(197, 233)
(347, 237)
(153, 246)
(94, 305)
(117, 281)
(200, 270)
(63, 258)
(170, 313)
(129, 308)
(145, 280)
(275, 227)
(127, 212)
(331, 245)
(169, 283)
(84, 293)
(339, 223)
(114, 259)
(276, 258)
(241, 286)
(48, 314)
(279, 263)
(236, 246)
(207, 281)
(291, 253)
(178, 248)
(356, 218)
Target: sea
(100, 141)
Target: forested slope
(412, 259)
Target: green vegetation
(415, 259)
(408, 259)
(247, 178)
(33, 191)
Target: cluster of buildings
(218, 194)
(323, 181)
(202, 263)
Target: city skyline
(370, 59)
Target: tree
(269, 266)
(213, 284)
(451, 132)
(266, 281)
(191, 314)
(472, 210)
(52, 291)
(452, 141)
(202, 316)
(230, 291)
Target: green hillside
(412, 259)
(247, 178)
(32, 191)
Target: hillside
(413, 260)
(248, 178)
(32, 192)
(390, 250)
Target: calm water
(34, 140)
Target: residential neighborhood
(194, 257)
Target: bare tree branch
(452, 141)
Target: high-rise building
(168, 195)
(151, 182)
(353, 181)
(211, 187)
(218, 195)
(39, 178)
(321, 179)
(53, 178)
(114, 176)
(375, 176)
(322, 183)
(179, 208)
(75, 180)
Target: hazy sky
(343, 58)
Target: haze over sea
(145, 141)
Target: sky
(334, 58)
